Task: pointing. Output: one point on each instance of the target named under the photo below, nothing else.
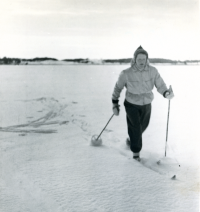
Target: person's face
(141, 61)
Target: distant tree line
(17, 61)
(39, 59)
(159, 60)
(77, 60)
(8, 61)
(151, 60)
(126, 60)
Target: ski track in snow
(57, 176)
(53, 115)
(167, 166)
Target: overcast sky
(99, 28)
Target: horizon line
(87, 58)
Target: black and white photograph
(99, 106)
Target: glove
(116, 109)
(169, 94)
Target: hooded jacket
(139, 85)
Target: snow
(47, 163)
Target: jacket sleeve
(121, 82)
(160, 84)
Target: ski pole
(105, 126)
(167, 128)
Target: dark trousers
(138, 117)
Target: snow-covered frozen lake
(48, 115)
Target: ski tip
(174, 177)
(158, 162)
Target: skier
(139, 80)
